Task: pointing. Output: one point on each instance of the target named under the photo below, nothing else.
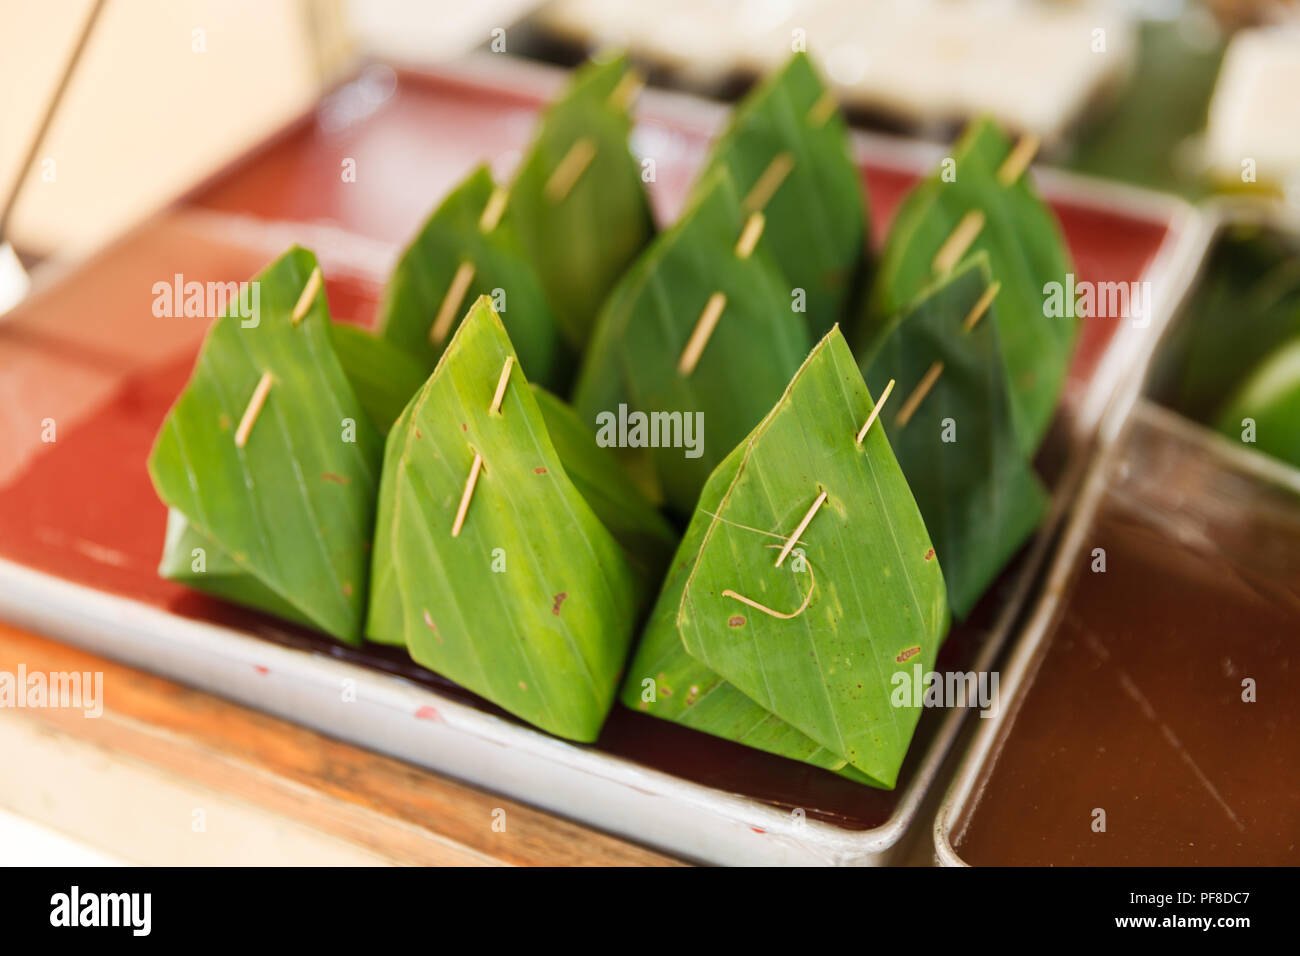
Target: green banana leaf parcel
(578, 199)
(976, 490)
(490, 565)
(280, 520)
(787, 150)
(635, 362)
(800, 653)
(468, 248)
(1026, 252)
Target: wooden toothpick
(750, 602)
(955, 246)
(1018, 160)
(918, 394)
(307, 297)
(626, 91)
(704, 327)
(981, 306)
(451, 302)
(750, 235)
(502, 382)
(571, 167)
(496, 205)
(467, 494)
(766, 185)
(803, 525)
(875, 412)
(821, 110)
(254, 407)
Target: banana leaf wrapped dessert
(806, 578)
(578, 200)
(465, 249)
(269, 462)
(980, 201)
(787, 149)
(952, 428)
(699, 328)
(493, 563)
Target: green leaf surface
(383, 376)
(544, 634)
(816, 216)
(1246, 305)
(285, 521)
(464, 232)
(647, 538)
(757, 344)
(977, 493)
(582, 230)
(866, 569)
(1270, 398)
(1025, 250)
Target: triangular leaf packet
(467, 248)
(269, 462)
(786, 148)
(951, 428)
(489, 564)
(981, 201)
(699, 328)
(578, 200)
(798, 658)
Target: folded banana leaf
(269, 463)
(1266, 408)
(951, 428)
(701, 326)
(383, 376)
(1023, 241)
(795, 653)
(787, 150)
(468, 248)
(578, 201)
(489, 563)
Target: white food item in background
(1255, 110)
(1034, 66)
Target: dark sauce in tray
(1136, 706)
(83, 508)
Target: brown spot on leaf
(523, 685)
(428, 622)
(559, 599)
(929, 554)
(347, 589)
(539, 471)
(908, 654)
(737, 621)
(464, 427)
(343, 480)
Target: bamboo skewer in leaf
(982, 202)
(467, 248)
(953, 433)
(578, 201)
(269, 464)
(787, 150)
(698, 327)
(861, 597)
(490, 565)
